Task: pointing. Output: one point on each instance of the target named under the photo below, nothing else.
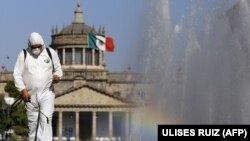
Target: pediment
(87, 96)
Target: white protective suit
(35, 75)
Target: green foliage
(19, 120)
(4, 122)
(15, 118)
(11, 89)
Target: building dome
(71, 45)
(77, 28)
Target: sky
(123, 20)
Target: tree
(17, 118)
(19, 121)
(11, 89)
(5, 121)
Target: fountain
(200, 66)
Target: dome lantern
(78, 14)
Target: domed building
(71, 44)
(91, 102)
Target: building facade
(92, 104)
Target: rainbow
(145, 121)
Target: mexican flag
(100, 42)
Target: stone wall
(125, 85)
(4, 77)
(7, 76)
(58, 40)
(2, 85)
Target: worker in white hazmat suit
(35, 71)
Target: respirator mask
(36, 51)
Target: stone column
(93, 57)
(83, 56)
(127, 126)
(103, 59)
(73, 56)
(60, 125)
(77, 125)
(63, 54)
(110, 125)
(93, 125)
(100, 58)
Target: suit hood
(35, 38)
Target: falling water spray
(199, 66)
